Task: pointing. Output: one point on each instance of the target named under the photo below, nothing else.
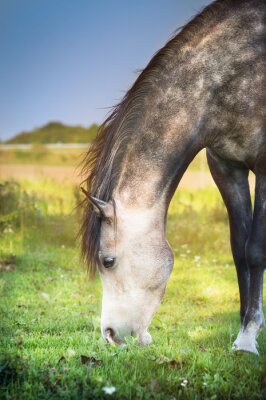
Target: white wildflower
(109, 389)
(45, 296)
(8, 230)
(184, 382)
(71, 352)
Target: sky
(71, 60)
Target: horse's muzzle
(111, 337)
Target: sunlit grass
(40, 155)
(50, 312)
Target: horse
(205, 89)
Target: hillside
(55, 132)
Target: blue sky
(68, 60)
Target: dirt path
(191, 180)
(35, 172)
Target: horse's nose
(110, 335)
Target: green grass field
(50, 342)
(42, 156)
(68, 157)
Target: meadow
(41, 155)
(50, 341)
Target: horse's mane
(100, 167)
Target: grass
(41, 155)
(50, 342)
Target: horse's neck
(168, 114)
(157, 157)
(169, 128)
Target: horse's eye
(108, 262)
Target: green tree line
(56, 132)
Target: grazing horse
(204, 89)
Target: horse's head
(135, 262)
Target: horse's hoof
(245, 343)
(246, 348)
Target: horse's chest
(240, 147)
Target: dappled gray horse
(204, 89)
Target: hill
(56, 132)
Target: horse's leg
(232, 181)
(256, 257)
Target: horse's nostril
(110, 335)
(109, 332)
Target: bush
(40, 213)
(9, 204)
(15, 206)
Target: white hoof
(242, 345)
(246, 339)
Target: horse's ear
(102, 208)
